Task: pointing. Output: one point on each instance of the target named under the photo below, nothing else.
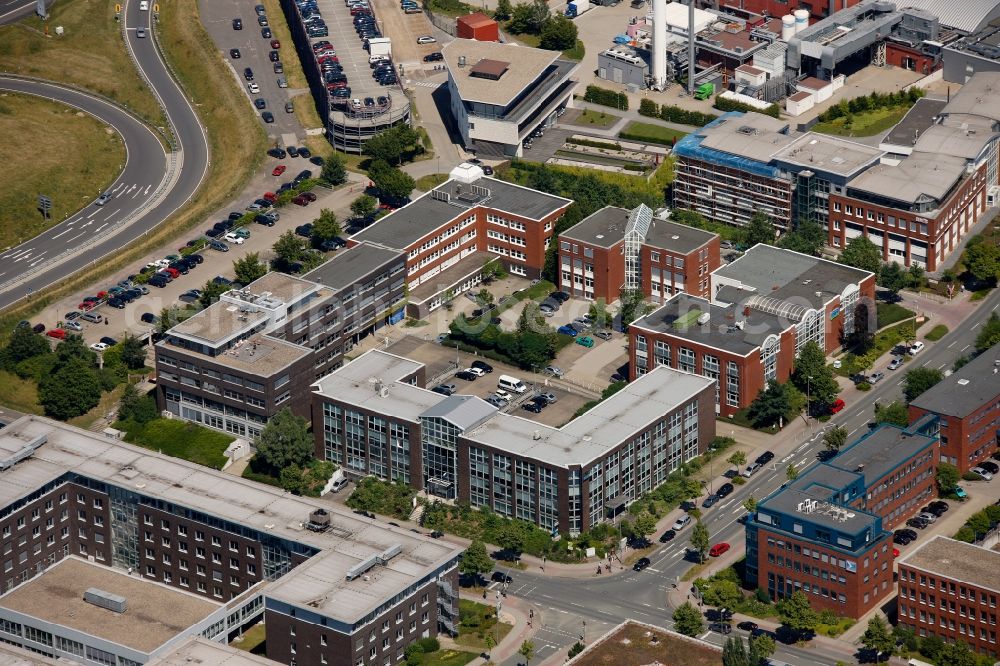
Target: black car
(265, 33)
(918, 522)
(274, 56)
(116, 303)
(482, 365)
(990, 467)
(304, 230)
(466, 375)
(747, 625)
(111, 342)
(267, 117)
(305, 174)
(725, 490)
(237, 24)
(765, 458)
(533, 407)
(434, 57)
(158, 281)
(196, 258)
(317, 160)
(260, 103)
(560, 296)
(248, 74)
(263, 219)
(900, 538)
(293, 151)
(181, 268)
(277, 153)
(436, 534)
(643, 563)
(148, 318)
(305, 153)
(218, 279)
(234, 54)
(501, 577)
(710, 500)
(444, 389)
(667, 536)
(938, 507)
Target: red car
(718, 549)
(308, 196)
(895, 552)
(172, 272)
(275, 44)
(278, 170)
(87, 305)
(57, 333)
(270, 196)
(300, 201)
(837, 405)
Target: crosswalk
(428, 84)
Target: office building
(948, 589)
(614, 250)
(502, 93)
(448, 234)
(116, 554)
(374, 417)
(967, 404)
(765, 307)
(827, 533)
(242, 359)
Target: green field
(73, 157)
(179, 439)
(637, 131)
(868, 123)
(591, 118)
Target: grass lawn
(868, 123)
(890, 313)
(179, 439)
(430, 181)
(73, 157)
(279, 28)
(252, 641)
(90, 54)
(447, 658)
(576, 53)
(833, 630)
(936, 333)
(648, 132)
(475, 622)
(591, 118)
(19, 394)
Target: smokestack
(659, 44)
(691, 46)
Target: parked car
(725, 490)
(710, 501)
(918, 522)
(990, 467)
(752, 469)
(981, 472)
(603, 335)
(916, 348)
(718, 549)
(895, 362)
(681, 523)
(532, 407)
(553, 370)
(483, 365)
(765, 457)
(585, 341)
(445, 389)
(548, 397)
(466, 375)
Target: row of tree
(557, 33)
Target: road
(562, 605)
(14, 10)
(145, 194)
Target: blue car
(568, 330)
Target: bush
(876, 100)
(723, 104)
(605, 97)
(864, 386)
(648, 107)
(428, 645)
(971, 476)
(594, 144)
(577, 648)
(676, 114)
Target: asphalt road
(96, 232)
(14, 10)
(563, 605)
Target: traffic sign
(44, 204)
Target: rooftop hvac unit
(704, 317)
(361, 567)
(112, 602)
(319, 520)
(389, 553)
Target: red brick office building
(949, 589)
(765, 306)
(616, 249)
(967, 404)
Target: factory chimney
(691, 38)
(659, 44)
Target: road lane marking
(62, 233)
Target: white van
(509, 383)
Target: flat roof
(798, 501)
(965, 390)
(820, 152)
(751, 135)
(198, 650)
(156, 612)
(678, 237)
(606, 228)
(676, 318)
(527, 64)
(455, 274)
(352, 265)
(262, 355)
(956, 560)
(785, 275)
(813, 83)
(476, 20)
(980, 95)
(880, 451)
(350, 539)
(917, 120)
(920, 177)
(431, 211)
(967, 140)
(219, 322)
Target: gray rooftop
(462, 411)
(793, 501)
(956, 560)
(880, 451)
(776, 273)
(960, 136)
(524, 66)
(198, 650)
(917, 120)
(350, 540)
(606, 227)
(428, 213)
(965, 390)
(752, 135)
(680, 238)
(921, 177)
(352, 265)
(677, 317)
(823, 153)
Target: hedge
(605, 97)
(875, 100)
(594, 144)
(674, 114)
(723, 104)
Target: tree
(493, 270)
(687, 620)
(983, 261)
(288, 248)
(475, 560)
(957, 654)
(134, 406)
(528, 17)
(334, 172)
(23, 344)
(527, 650)
(895, 413)
(807, 238)
(892, 277)
(915, 276)
(759, 229)
(489, 643)
(918, 380)
(510, 537)
(796, 613)
(877, 636)
(761, 647)
(325, 227)
(631, 307)
(990, 335)
(390, 145)
(503, 11)
(699, 539)
(389, 181)
(862, 253)
(723, 594)
(249, 268)
(734, 652)
(531, 319)
(947, 477)
(133, 352)
(750, 504)
(770, 406)
(484, 297)
(285, 441)
(813, 376)
(73, 389)
(834, 438)
(599, 314)
(644, 525)
(791, 472)
(210, 293)
(364, 206)
(738, 459)
(558, 34)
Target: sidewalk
(512, 611)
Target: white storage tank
(787, 27)
(801, 20)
